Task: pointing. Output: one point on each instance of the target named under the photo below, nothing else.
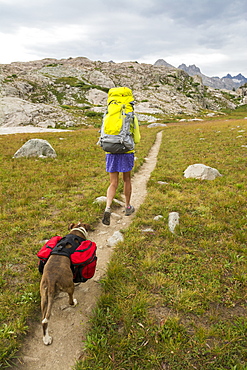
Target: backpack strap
(111, 101)
(61, 249)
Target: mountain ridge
(227, 82)
(64, 93)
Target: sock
(108, 209)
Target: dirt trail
(68, 325)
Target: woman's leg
(111, 191)
(127, 187)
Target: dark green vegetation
(169, 301)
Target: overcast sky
(212, 34)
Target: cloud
(211, 34)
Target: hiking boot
(106, 218)
(129, 210)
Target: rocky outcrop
(242, 91)
(52, 93)
(15, 112)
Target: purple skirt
(119, 162)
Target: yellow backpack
(115, 130)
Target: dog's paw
(47, 340)
(75, 302)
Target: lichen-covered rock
(36, 148)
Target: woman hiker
(124, 163)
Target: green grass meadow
(169, 301)
(179, 301)
(38, 199)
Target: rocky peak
(162, 63)
(227, 76)
(192, 70)
(239, 79)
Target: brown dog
(57, 276)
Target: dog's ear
(87, 227)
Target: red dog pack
(83, 258)
(84, 261)
(46, 250)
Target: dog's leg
(46, 304)
(74, 301)
(70, 291)
(47, 339)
